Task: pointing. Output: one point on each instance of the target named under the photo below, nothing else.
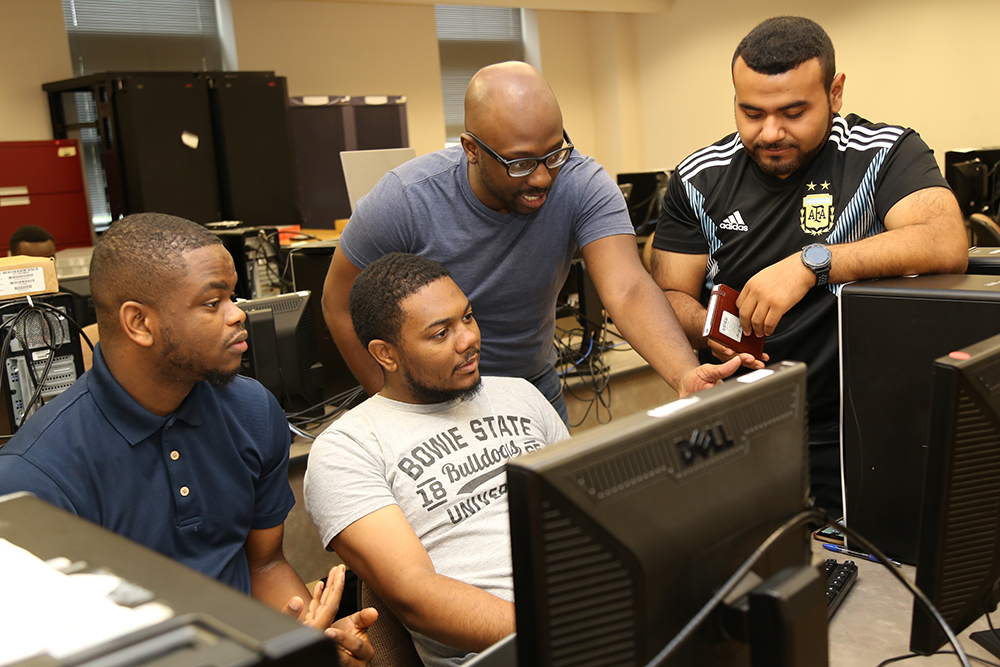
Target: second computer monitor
(959, 548)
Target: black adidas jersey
(719, 203)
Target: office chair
(389, 637)
(983, 231)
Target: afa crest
(816, 216)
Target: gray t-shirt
(443, 464)
(511, 266)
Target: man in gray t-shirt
(494, 213)
(410, 488)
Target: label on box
(22, 281)
(729, 325)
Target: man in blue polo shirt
(162, 441)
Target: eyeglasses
(526, 165)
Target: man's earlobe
(385, 354)
(837, 92)
(135, 321)
(470, 148)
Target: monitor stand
(989, 640)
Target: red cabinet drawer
(41, 167)
(64, 215)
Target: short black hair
(378, 292)
(140, 258)
(783, 43)
(28, 234)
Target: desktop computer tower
(36, 336)
(891, 332)
(310, 263)
(255, 256)
(984, 261)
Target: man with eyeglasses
(504, 213)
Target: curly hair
(377, 294)
(783, 43)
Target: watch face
(817, 255)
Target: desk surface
(873, 622)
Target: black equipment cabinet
(253, 147)
(200, 145)
(322, 126)
(892, 330)
(156, 143)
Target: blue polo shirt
(190, 485)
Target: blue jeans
(550, 385)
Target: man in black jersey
(797, 202)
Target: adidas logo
(734, 223)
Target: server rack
(322, 126)
(204, 146)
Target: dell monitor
(282, 353)
(958, 561)
(621, 535)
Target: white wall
(349, 48)
(923, 63)
(638, 91)
(34, 50)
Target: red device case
(723, 323)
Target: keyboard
(840, 577)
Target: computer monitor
(644, 198)
(958, 562)
(255, 255)
(969, 182)
(579, 299)
(990, 158)
(621, 535)
(310, 262)
(282, 353)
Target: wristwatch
(817, 258)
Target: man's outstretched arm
(387, 555)
(681, 277)
(645, 318)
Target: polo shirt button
(174, 455)
(185, 491)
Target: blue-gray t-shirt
(511, 266)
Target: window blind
(469, 38)
(158, 17)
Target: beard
(221, 378)
(428, 394)
(181, 363)
(780, 169)
(510, 201)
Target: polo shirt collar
(133, 422)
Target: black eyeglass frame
(568, 148)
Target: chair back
(388, 636)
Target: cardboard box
(21, 276)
